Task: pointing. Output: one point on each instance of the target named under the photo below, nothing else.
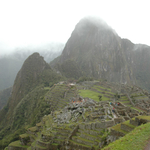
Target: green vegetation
(6, 136)
(118, 128)
(123, 98)
(101, 87)
(144, 117)
(17, 144)
(4, 96)
(135, 140)
(128, 124)
(84, 78)
(136, 109)
(91, 94)
(69, 69)
(27, 104)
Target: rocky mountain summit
(97, 51)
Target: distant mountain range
(12, 63)
(94, 50)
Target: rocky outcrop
(99, 52)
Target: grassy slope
(4, 96)
(94, 95)
(135, 140)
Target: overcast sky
(37, 22)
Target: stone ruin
(83, 122)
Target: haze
(25, 23)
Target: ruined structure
(84, 123)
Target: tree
(100, 97)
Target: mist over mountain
(97, 51)
(27, 102)
(4, 96)
(11, 63)
(38, 98)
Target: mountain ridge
(99, 52)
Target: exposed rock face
(99, 52)
(27, 76)
(4, 96)
(34, 72)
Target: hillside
(135, 140)
(82, 122)
(97, 51)
(27, 104)
(4, 96)
(10, 64)
(86, 99)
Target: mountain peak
(91, 25)
(27, 77)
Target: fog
(35, 23)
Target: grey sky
(37, 22)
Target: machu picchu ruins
(82, 120)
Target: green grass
(126, 102)
(135, 140)
(80, 144)
(17, 144)
(136, 109)
(106, 92)
(118, 128)
(143, 97)
(144, 117)
(102, 87)
(124, 98)
(24, 135)
(55, 144)
(128, 124)
(41, 147)
(82, 139)
(91, 94)
(39, 124)
(47, 88)
(33, 129)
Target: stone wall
(126, 128)
(133, 122)
(116, 133)
(97, 125)
(16, 148)
(118, 120)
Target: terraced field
(97, 90)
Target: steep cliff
(4, 96)
(27, 103)
(10, 64)
(97, 51)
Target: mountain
(97, 51)
(10, 64)
(90, 122)
(4, 96)
(27, 103)
(70, 115)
